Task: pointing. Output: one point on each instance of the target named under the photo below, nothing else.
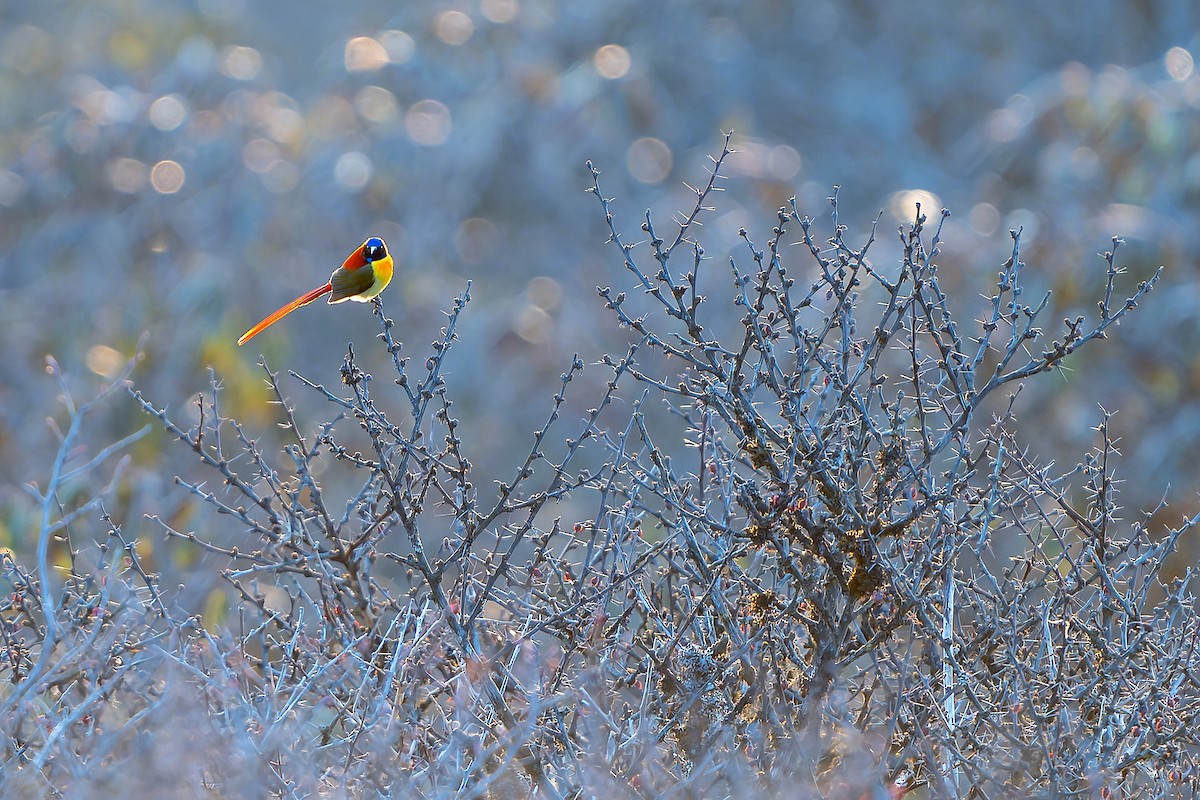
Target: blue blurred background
(171, 172)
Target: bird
(364, 274)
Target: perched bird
(365, 273)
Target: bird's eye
(374, 249)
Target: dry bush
(813, 558)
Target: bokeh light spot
(984, 219)
(752, 159)
(167, 177)
(1112, 85)
(376, 104)
(104, 106)
(1179, 63)
(1133, 221)
(1076, 79)
(499, 11)
(259, 154)
(399, 45)
(453, 27)
(352, 171)
(903, 204)
(104, 361)
(1025, 221)
(127, 175)
(612, 61)
(428, 122)
(284, 125)
(475, 240)
(167, 112)
(1006, 124)
(649, 160)
(544, 292)
(784, 162)
(364, 54)
(534, 325)
(241, 63)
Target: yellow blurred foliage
(129, 50)
(216, 606)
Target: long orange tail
(302, 300)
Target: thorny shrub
(845, 577)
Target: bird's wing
(348, 283)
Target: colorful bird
(365, 273)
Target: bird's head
(374, 249)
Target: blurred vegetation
(169, 173)
(811, 557)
